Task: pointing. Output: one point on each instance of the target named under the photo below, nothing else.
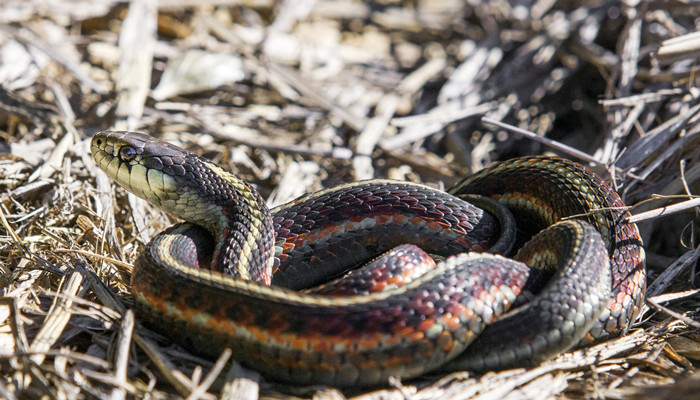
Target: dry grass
(308, 94)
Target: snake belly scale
(224, 278)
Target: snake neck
(198, 191)
(235, 215)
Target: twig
(122, 357)
(126, 266)
(57, 318)
(547, 142)
(688, 321)
(664, 211)
(293, 79)
(672, 271)
(211, 376)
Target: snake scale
(229, 276)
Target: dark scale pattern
(543, 190)
(212, 188)
(326, 233)
(391, 270)
(554, 321)
(282, 335)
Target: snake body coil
(205, 283)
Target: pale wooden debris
(136, 42)
(57, 318)
(122, 354)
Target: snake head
(179, 182)
(140, 163)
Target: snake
(239, 275)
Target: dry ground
(299, 95)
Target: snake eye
(127, 153)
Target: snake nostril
(127, 153)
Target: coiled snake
(225, 277)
